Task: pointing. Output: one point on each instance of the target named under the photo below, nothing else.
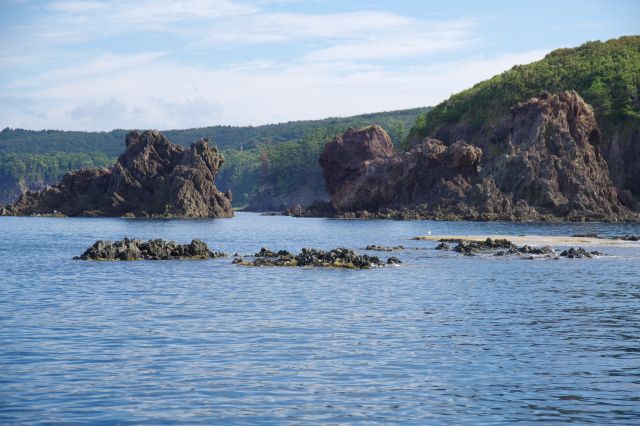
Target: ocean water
(441, 339)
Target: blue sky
(104, 64)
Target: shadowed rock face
(153, 177)
(544, 162)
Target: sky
(105, 64)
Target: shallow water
(441, 339)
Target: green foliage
(21, 170)
(291, 150)
(605, 74)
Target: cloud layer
(98, 65)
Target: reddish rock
(153, 177)
(544, 162)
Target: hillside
(261, 156)
(605, 74)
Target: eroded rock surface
(337, 258)
(153, 177)
(543, 162)
(132, 249)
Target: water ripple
(441, 339)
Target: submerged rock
(443, 246)
(132, 249)
(153, 177)
(336, 258)
(543, 162)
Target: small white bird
(429, 232)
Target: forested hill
(605, 74)
(257, 156)
(225, 137)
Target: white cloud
(334, 64)
(168, 95)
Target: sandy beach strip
(537, 240)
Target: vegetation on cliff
(605, 74)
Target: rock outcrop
(543, 163)
(153, 177)
(132, 249)
(337, 258)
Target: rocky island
(543, 161)
(158, 249)
(152, 178)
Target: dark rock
(393, 261)
(443, 246)
(509, 252)
(542, 162)
(467, 247)
(587, 235)
(265, 252)
(535, 250)
(374, 247)
(336, 258)
(153, 177)
(132, 249)
(576, 253)
(627, 237)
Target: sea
(440, 339)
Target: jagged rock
(443, 246)
(467, 247)
(132, 249)
(393, 261)
(626, 237)
(336, 258)
(615, 237)
(535, 250)
(576, 253)
(375, 247)
(153, 177)
(542, 162)
(265, 252)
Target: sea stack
(152, 178)
(543, 163)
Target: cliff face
(153, 177)
(542, 162)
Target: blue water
(441, 339)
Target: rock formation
(543, 163)
(153, 177)
(337, 258)
(132, 249)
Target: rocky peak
(347, 152)
(544, 163)
(153, 177)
